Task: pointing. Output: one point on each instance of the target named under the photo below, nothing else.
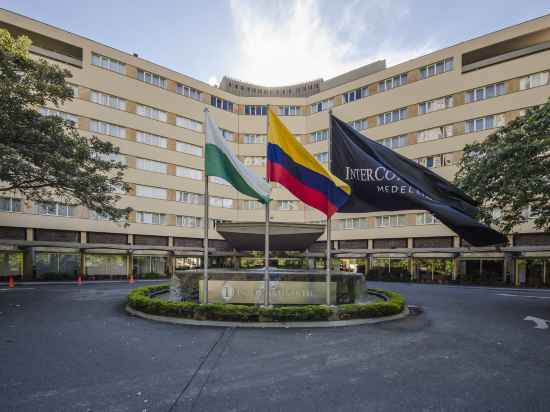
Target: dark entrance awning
(282, 236)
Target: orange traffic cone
(11, 282)
(131, 279)
(79, 280)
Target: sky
(277, 42)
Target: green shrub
(227, 312)
(296, 313)
(143, 300)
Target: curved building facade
(427, 109)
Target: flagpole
(328, 255)
(266, 250)
(206, 220)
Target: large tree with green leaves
(44, 158)
(510, 171)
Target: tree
(509, 172)
(43, 157)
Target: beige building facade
(427, 109)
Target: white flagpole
(328, 255)
(206, 220)
(266, 269)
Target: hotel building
(427, 109)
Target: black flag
(383, 180)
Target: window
(354, 223)
(356, 94)
(436, 68)
(395, 142)
(227, 135)
(10, 204)
(393, 116)
(482, 93)
(219, 181)
(289, 110)
(434, 134)
(151, 166)
(54, 209)
(360, 124)
(189, 149)
(189, 221)
(189, 197)
(430, 162)
(322, 157)
(213, 223)
(152, 78)
(254, 110)
(391, 220)
(322, 105)
(111, 157)
(426, 219)
(189, 124)
(151, 112)
(74, 88)
(98, 216)
(319, 136)
(251, 204)
(534, 80)
(483, 123)
(221, 103)
(189, 173)
(220, 202)
(188, 91)
(69, 118)
(150, 218)
(108, 63)
(254, 161)
(107, 129)
(151, 192)
(392, 82)
(151, 139)
(254, 138)
(288, 205)
(436, 104)
(108, 100)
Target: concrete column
(83, 237)
(370, 243)
(170, 241)
(410, 243)
(129, 265)
(412, 267)
(30, 234)
(130, 239)
(82, 263)
(456, 264)
(508, 267)
(28, 264)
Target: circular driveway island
(70, 348)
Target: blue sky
(277, 42)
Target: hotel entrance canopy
(282, 236)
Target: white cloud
(281, 43)
(213, 81)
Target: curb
(266, 325)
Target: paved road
(70, 348)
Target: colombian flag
(290, 164)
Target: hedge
(143, 299)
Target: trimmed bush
(143, 300)
(296, 313)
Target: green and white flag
(220, 161)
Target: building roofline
(274, 87)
